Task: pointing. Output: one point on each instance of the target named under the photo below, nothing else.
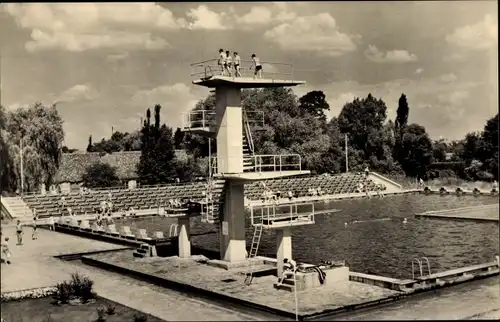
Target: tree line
(291, 125)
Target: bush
(86, 290)
(63, 292)
(140, 318)
(111, 309)
(101, 314)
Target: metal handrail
(278, 163)
(173, 231)
(428, 265)
(413, 267)
(269, 212)
(248, 132)
(212, 64)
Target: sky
(104, 64)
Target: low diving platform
(283, 215)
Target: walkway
(33, 266)
(481, 299)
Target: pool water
(379, 242)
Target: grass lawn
(38, 310)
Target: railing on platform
(282, 214)
(207, 119)
(270, 70)
(200, 119)
(269, 162)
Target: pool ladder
(173, 231)
(419, 262)
(257, 234)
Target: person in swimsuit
(19, 233)
(33, 233)
(237, 63)
(258, 67)
(229, 63)
(222, 61)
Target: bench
(127, 233)
(159, 235)
(85, 225)
(111, 230)
(142, 234)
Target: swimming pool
(379, 242)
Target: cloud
(78, 93)
(117, 57)
(391, 56)
(318, 33)
(479, 36)
(419, 71)
(176, 100)
(78, 27)
(204, 18)
(257, 16)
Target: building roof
(73, 165)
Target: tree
(38, 130)
(100, 175)
(89, 146)
(400, 125)
(315, 104)
(178, 138)
(489, 149)
(417, 151)
(440, 150)
(402, 114)
(65, 149)
(187, 169)
(157, 162)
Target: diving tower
(236, 161)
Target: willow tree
(38, 131)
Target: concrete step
(138, 255)
(285, 287)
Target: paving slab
(261, 291)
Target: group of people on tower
(228, 62)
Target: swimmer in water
(405, 221)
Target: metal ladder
(419, 262)
(173, 231)
(257, 234)
(208, 209)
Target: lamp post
(22, 165)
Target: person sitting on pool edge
(289, 270)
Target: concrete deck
(228, 285)
(34, 266)
(482, 213)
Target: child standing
(258, 67)
(19, 233)
(5, 250)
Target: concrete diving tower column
(228, 125)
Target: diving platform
(254, 176)
(204, 122)
(280, 216)
(273, 74)
(245, 82)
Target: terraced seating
(340, 184)
(123, 199)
